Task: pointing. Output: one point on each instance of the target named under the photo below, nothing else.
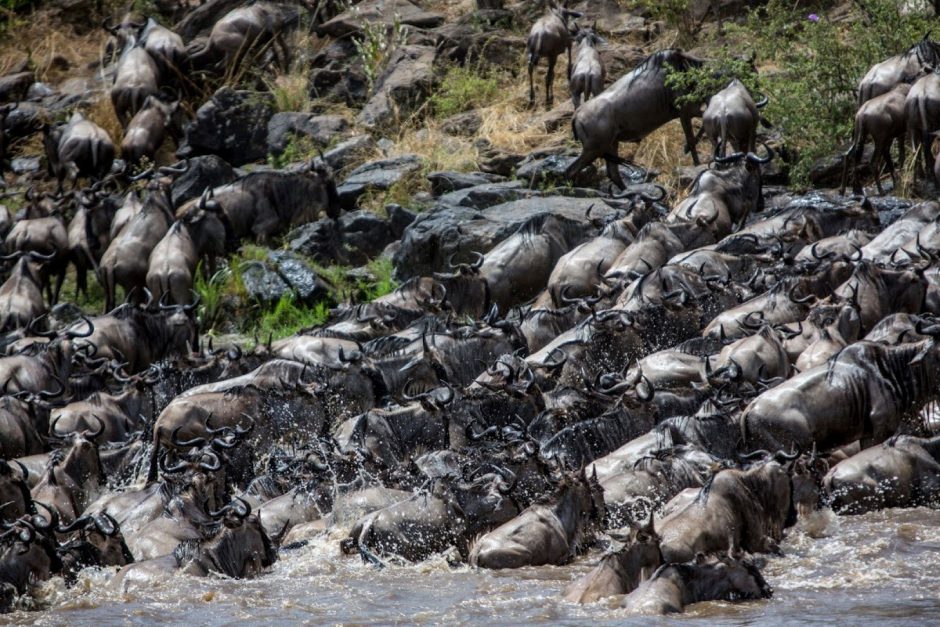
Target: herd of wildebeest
(677, 383)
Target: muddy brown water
(882, 569)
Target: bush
(817, 66)
(462, 89)
(375, 44)
(287, 317)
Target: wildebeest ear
(926, 350)
(699, 558)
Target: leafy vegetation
(376, 43)
(298, 148)
(462, 89)
(288, 316)
(816, 64)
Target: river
(882, 568)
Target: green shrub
(462, 89)
(817, 64)
(382, 270)
(288, 316)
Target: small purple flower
(812, 17)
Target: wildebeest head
(103, 533)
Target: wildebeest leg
(279, 42)
(613, 171)
(686, 122)
(577, 165)
(876, 168)
(531, 84)
(894, 175)
(550, 82)
(569, 62)
(60, 278)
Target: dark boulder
(205, 171)
(462, 124)
(262, 283)
(354, 149)
(13, 87)
(375, 175)
(308, 287)
(233, 124)
(364, 235)
(319, 129)
(445, 230)
(380, 13)
(443, 182)
(319, 241)
(486, 195)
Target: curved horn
(761, 160)
(112, 527)
(212, 466)
(91, 435)
(77, 334)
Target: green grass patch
(462, 89)
(288, 317)
(298, 148)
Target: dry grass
(664, 150)
(441, 151)
(102, 113)
(43, 40)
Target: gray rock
(24, 120)
(537, 170)
(462, 124)
(206, 171)
(13, 87)
(487, 195)
(446, 229)
(320, 129)
(319, 241)
(25, 165)
(378, 12)
(399, 219)
(402, 87)
(444, 182)
(364, 235)
(337, 74)
(495, 161)
(307, 286)
(39, 90)
(262, 283)
(233, 124)
(348, 152)
(375, 175)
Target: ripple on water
(879, 569)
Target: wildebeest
(137, 77)
(125, 262)
(241, 31)
(588, 74)
(883, 119)
(922, 114)
(547, 533)
(630, 109)
(902, 472)
(731, 117)
(621, 571)
(147, 129)
(674, 586)
(736, 510)
(863, 393)
(172, 266)
(264, 204)
(549, 37)
(21, 295)
(78, 148)
(903, 68)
